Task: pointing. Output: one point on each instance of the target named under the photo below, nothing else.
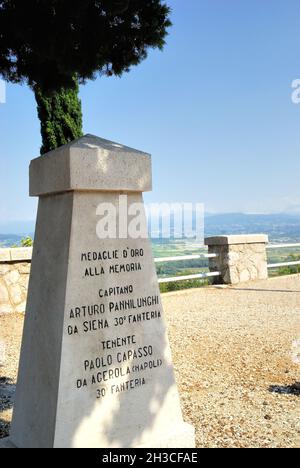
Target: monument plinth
(96, 368)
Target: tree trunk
(60, 114)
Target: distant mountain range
(279, 227)
(11, 233)
(17, 227)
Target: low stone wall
(239, 258)
(14, 277)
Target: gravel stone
(232, 348)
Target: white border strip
(190, 277)
(182, 258)
(279, 265)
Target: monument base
(96, 367)
(183, 437)
(6, 443)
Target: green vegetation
(174, 248)
(60, 114)
(180, 268)
(191, 267)
(280, 257)
(291, 270)
(25, 242)
(181, 285)
(55, 45)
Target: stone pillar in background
(14, 277)
(96, 368)
(239, 258)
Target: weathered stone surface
(263, 272)
(4, 296)
(21, 254)
(4, 268)
(244, 276)
(15, 293)
(24, 268)
(24, 281)
(15, 254)
(5, 255)
(6, 309)
(233, 258)
(237, 239)
(108, 166)
(238, 262)
(21, 308)
(12, 277)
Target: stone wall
(14, 278)
(239, 258)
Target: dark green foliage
(286, 270)
(26, 242)
(181, 285)
(46, 43)
(289, 270)
(60, 115)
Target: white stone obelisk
(96, 368)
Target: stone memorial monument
(96, 369)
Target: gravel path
(11, 327)
(234, 356)
(232, 350)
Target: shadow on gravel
(7, 391)
(293, 389)
(267, 290)
(4, 429)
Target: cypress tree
(56, 45)
(60, 115)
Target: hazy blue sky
(214, 109)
